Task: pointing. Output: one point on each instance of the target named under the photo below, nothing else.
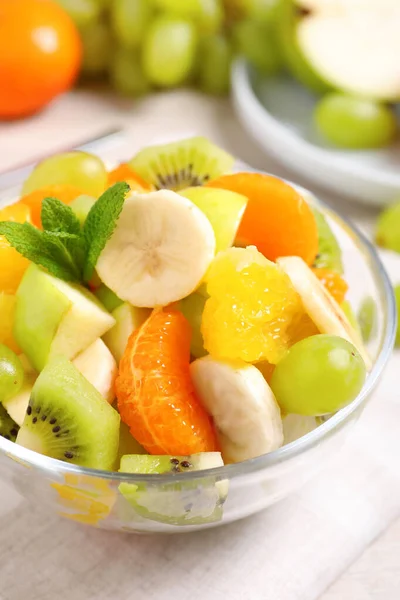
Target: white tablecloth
(292, 551)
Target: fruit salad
(170, 315)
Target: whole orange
(40, 55)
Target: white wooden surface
(376, 574)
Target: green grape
(397, 296)
(169, 51)
(81, 206)
(257, 43)
(387, 234)
(356, 123)
(192, 308)
(318, 376)
(367, 317)
(264, 11)
(127, 75)
(82, 12)
(11, 373)
(207, 14)
(214, 64)
(79, 169)
(130, 19)
(97, 48)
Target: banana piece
(98, 366)
(319, 304)
(295, 426)
(160, 250)
(242, 405)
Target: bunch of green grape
(140, 45)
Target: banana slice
(160, 250)
(319, 304)
(243, 407)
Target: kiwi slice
(329, 253)
(183, 164)
(183, 503)
(68, 419)
(8, 427)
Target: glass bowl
(198, 500)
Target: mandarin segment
(333, 282)
(251, 306)
(277, 219)
(12, 264)
(301, 327)
(124, 173)
(64, 193)
(156, 397)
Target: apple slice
(223, 208)
(54, 317)
(355, 49)
(127, 319)
(98, 366)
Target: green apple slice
(356, 51)
(109, 300)
(223, 208)
(54, 317)
(127, 319)
(192, 308)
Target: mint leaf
(57, 216)
(40, 248)
(60, 251)
(59, 219)
(100, 224)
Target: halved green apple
(54, 317)
(223, 208)
(127, 319)
(288, 17)
(354, 47)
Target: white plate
(277, 112)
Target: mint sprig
(64, 248)
(100, 224)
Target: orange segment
(7, 312)
(301, 327)
(333, 282)
(12, 264)
(156, 397)
(277, 219)
(251, 305)
(64, 193)
(124, 173)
